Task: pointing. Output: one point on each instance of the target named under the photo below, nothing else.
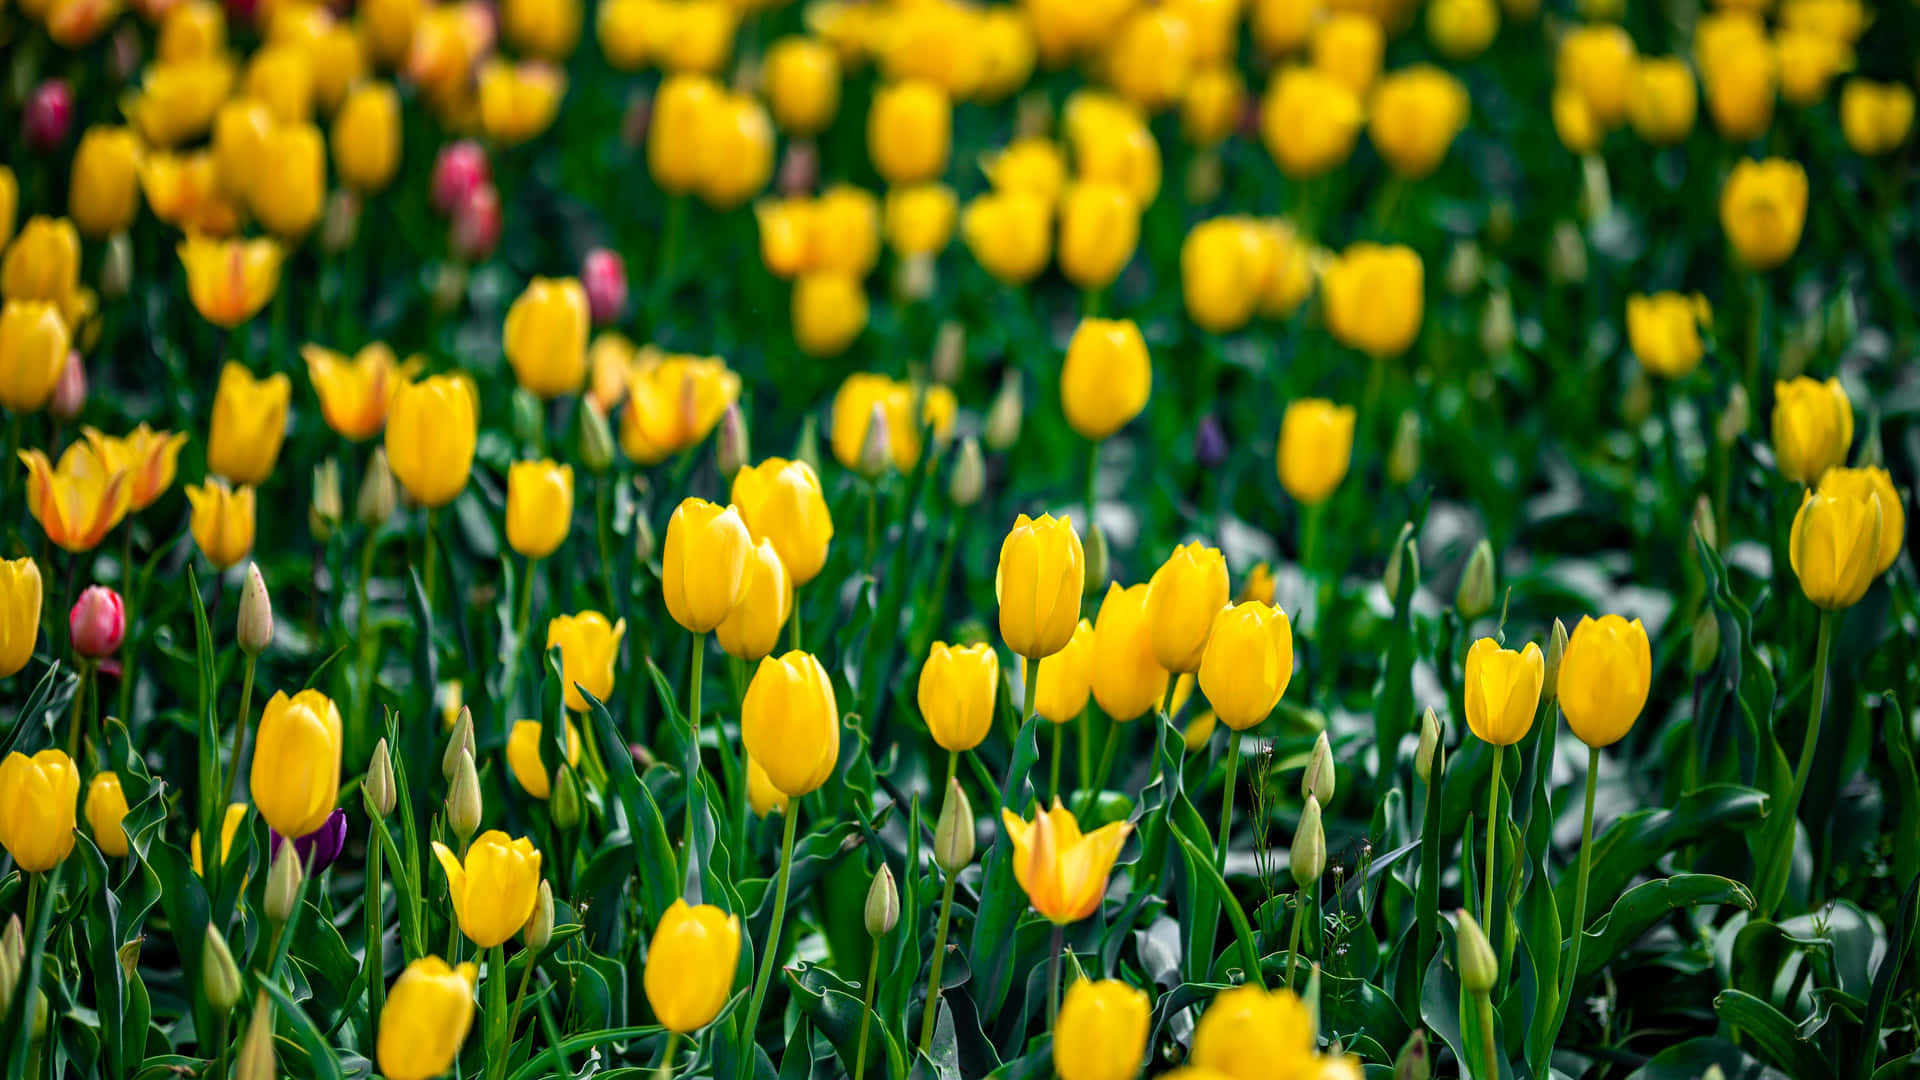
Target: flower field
(941, 540)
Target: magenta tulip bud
(475, 231)
(604, 275)
(70, 393)
(48, 116)
(242, 11)
(97, 622)
(460, 169)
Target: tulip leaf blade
(1638, 840)
(321, 1058)
(1773, 1035)
(657, 871)
(834, 1007)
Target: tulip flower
(1347, 47)
(38, 795)
(829, 312)
(355, 393)
(43, 263)
(524, 756)
(79, 502)
(1596, 61)
(189, 192)
(296, 762)
(1106, 378)
(1248, 663)
(1127, 676)
(1762, 208)
(791, 724)
(762, 797)
(1101, 1033)
(1858, 484)
(589, 651)
(909, 131)
(1041, 575)
(680, 110)
(1222, 269)
(1414, 116)
(1875, 117)
(1249, 1031)
(97, 623)
(1316, 445)
(781, 501)
(1604, 677)
(546, 336)
(428, 1012)
(230, 822)
(431, 430)
(735, 144)
(673, 404)
(1009, 234)
(549, 29)
(519, 101)
(1063, 872)
(34, 349)
(494, 889)
(366, 137)
(753, 628)
(149, 458)
(1374, 298)
(919, 218)
(1099, 229)
(690, 964)
(1462, 29)
(176, 100)
(1308, 121)
(249, 424)
(909, 411)
(1064, 681)
(1834, 545)
(1664, 332)
(803, 85)
(956, 695)
(1211, 106)
(105, 193)
(1502, 695)
(1812, 428)
(20, 601)
(290, 185)
(603, 273)
(539, 507)
(106, 808)
(1183, 598)
(222, 522)
(1808, 62)
(704, 567)
(1662, 100)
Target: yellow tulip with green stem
(1502, 695)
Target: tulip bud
(529, 419)
(255, 630)
(969, 475)
(807, 449)
(377, 491)
(97, 622)
(1464, 268)
(643, 539)
(219, 976)
(883, 903)
(1415, 1061)
(1209, 443)
(459, 169)
(339, 222)
(380, 787)
(1734, 419)
(1475, 595)
(1003, 416)
(953, 836)
(596, 438)
(1094, 559)
(1556, 651)
(1317, 782)
(475, 229)
(730, 446)
(1714, 1072)
(1842, 322)
(13, 952)
(539, 929)
(1479, 970)
(256, 1050)
(1500, 221)
(1308, 859)
(449, 287)
(463, 799)
(875, 452)
(604, 276)
(1426, 755)
(323, 514)
(1567, 254)
(636, 119)
(70, 392)
(1703, 522)
(1704, 647)
(47, 118)
(458, 742)
(949, 352)
(565, 804)
(1403, 458)
(283, 884)
(116, 268)
(1637, 403)
(1402, 566)
(1496, 322)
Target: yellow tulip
(909, 412)
(494, 890)
(1007, 52)
(426, 1017)
(9, 204)
(1664, 331)
(1807, 63)
(1063, 872)
(296, 762)
(148, 456)
(736, 151)
(1282, 27)
(1309, 122)
(1065, 679)
(704, 566)
(690, 965)
(1762, 209)
(37, 799)
(105, 191)
(1286, 274)
(356, 393)
(1099, 229)
(545, 337)
(222, 522)
(680, 113)
(1739, 83)
(249, 424)
(753, 628)
(790, 723)
(230, 822)
(1873, 480)
(1215, 28)
(240, 131)
(909, 131)
(366, 137)
(1875, 116)
(447, 41)
(430, 438)
(1316, 445)
(1211, 106)
(1839, 20)
(1041, 574)
(1101, 1033)
(1347, 47)
(539, 506)
(935, 42)
(1128, 678)
(1834, 545)
(1151, 57)
(803, 85)
(196, 30)
(781, 501)
(1222, 267)
(1812, 427)
(230, 280)
(339, 59)
(589, 652)
(106, 809)
(1597, 61)
(1258, 586)
(762, 796)
(673, 405)
(188, 191)
(548, 29)
(176, 101)
(1183, 597)
(1248, 663)
(43, 263)
(290, 184)
(524, 758)
(1662, 100)
(919, 218)
(956, 694)
(1462, 29)
(1106, 378)
(1250, 1031)
(78, 503)
(693, 35)
(1604, 677)
(829, 312)
(1033, 164)
(622, 29)
(280, 76)
(1503, 690)
(34, 348)
(518, 101)
(20, 600)
(1414, 116)
(1010, 234)
(387, 27)
(1374, 298)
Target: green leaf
(1648, 903)
(834, 1007)
(321, 1060)
(1633, 844)
(1773, 1035)
(659, 872)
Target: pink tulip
(97, 622)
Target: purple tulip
(321, 846)
(1210, 443)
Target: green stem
(239, 736)
(767, 960)
(939, 958)
(1579, 927)
(1090, 303)
(1483, 1001)
(129, 598)
(1085, 748)
(1755, 312)
(1773, 883)
(429, 558)
(79, 708)
(1055, 950)
(1093, 476)
(1310, 537)
(1493, 811)
(665, 1072)
(1293, 934)
(497, 1010)
(793, 625)
(221, 1040)
(693, 747)
(866, 1011)
(513, 1014)
(525, 613)
(375, 962)
(873, 525)
(603, 536)
(363, 635)
(1108, 751)
(1053, 769)
(1226, 801)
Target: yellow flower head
(1063, 872)
(494, 890)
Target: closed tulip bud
(604, 276)
(97, 622)
(790, 722)
(1373, 298)
(1183, 598)
(1834, 545)
(1503, 690)
(1316, 446)
(1812, 428)
(106, 810)
(1496, 322)
(249, 425)
(47, 118)
(1096, 576)
(594, 438)
(1596, 61)
(70, 393)
(431, 430)
(427, 1015)
(1556, 652)
(1413, 117)
(909, 131)
(255, 629)
(969, 478)
(116, 268)
(463, 797)
(705, 566)
(1567, 254)
(1308, 121)
(731, 449)
(643, 540)
(539, 507)
(1703, 521)
(589, 652)
(1005, 414)
(874, 452)
(1603, 681)
(283, 885)
(296, 762)
(1403, 567)
(105, 192)
(1318, 780)
(494, 889)
(379, 784)
(1462, 29)
(1873, 480)
(1703, 646)
(1212, 105)
(458, 169)
(1099, 229)
(539, 928)
(1424, 755)
(1762, 209)
(1475, 595)
(1039, 581)
(1127, 677)
(1734, 420)
(1101, 1033)
(690, 965)
(374, 504)
(565, 805)
(803, 85)
(953, 835)
(366, 137)
(325, 511)
(1308, 858)
(956, 694)
(883, 904)
(13, 949)
(1247, 664)
(256, 1060)
(752, 629)
(38, 796)
(35, 350)
(459, 737)
(1107, 377)
(219, 976)
(1479, 968)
